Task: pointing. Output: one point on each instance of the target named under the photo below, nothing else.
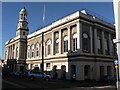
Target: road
(14, 82)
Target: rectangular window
(37, 53)
(74, 44)
(85, 43)
(57, 47)
(66, 46)
(48, 49)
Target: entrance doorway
(63, 69)
(21, 68)
(101, 71)
(87, 72)
(109, 70)
(73, 72)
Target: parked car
(35, 74)
(20, 74)
(17, 73)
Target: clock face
(24, 24)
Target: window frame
(66, 44)
(74, 42)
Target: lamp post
(116, 72)
(43, 55)
(116, 4)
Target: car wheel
(47, 78)
(32, 78)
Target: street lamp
(42, 54)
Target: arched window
(75, 42)
(28, 52)
(48, 47)
(66, 44)
(17, 52)
(40, 50)
(32, 50)
(85, 42)
(37, 49)
(57, 46)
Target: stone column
(19, 50)
(79, 38)
(44, 49)
(15, 51)
(96, 71)
(81, 72)
(5, 53)
(78, 74)
(95, 40)
(103, 43)
(60, 43)
(91, 40)
(9, 52)
(110, 44)
(69, 39)
(53, 43)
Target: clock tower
(22, 28)
(21, 43)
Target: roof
(23, 10)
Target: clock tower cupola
(22, 28)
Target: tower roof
(23, 10)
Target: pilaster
(91, 40)
(95, 40)
(60, 43)
(69, 39)
(53, 43)
(79, 38)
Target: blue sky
(54, 11)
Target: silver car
(35, 74)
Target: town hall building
(78, 46)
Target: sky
(53, 12)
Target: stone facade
(78, 46)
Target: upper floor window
(32, 50)
(57, 46)
(99, 41)
(75, 42)
(66, 44)
(28, 52)
(37, 49)
(48, 47)
(106, 43)
(85, 42)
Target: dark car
(107, 78)
(23, 74)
